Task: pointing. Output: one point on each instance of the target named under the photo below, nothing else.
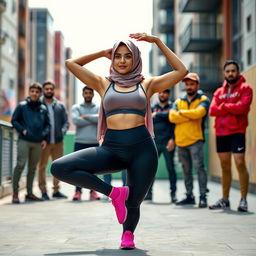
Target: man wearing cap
(164, 139)
(188, 113)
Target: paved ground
(63, 227)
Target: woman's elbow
(184, 71)
(68, 62)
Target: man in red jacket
(230, 105)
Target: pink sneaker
(77, 196)
(94, 195)
(119, 203)
(127, 242)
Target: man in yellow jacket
(188, 114)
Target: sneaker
(94, 195)
(173, 199)
(59, 195)
(220, 204)
(77, 196)
(243, 206)
(190, 199)
(202, 202)
(15, 198)
(45, 196)
(119, 203)
(127, 242)
(32, 198)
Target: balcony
(166, 4)
(201, 37)
(2, 5)
(199, 6)
(210, 77)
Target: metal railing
(8, 151)
(203, 32)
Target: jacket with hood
(231, 107)
(33, 117)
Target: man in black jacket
(30, 119)
(164, 139)
(59, 126)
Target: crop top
(131, 102)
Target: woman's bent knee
(57, 169)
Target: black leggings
(131, 149)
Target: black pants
(79, 146)
(131, 149)
(169, 162)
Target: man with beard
(30, 119)
(164, 139)
(230, 106)
(59, 126)
(188, 114)
(85, 118)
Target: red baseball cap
(191, 76)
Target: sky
(93, 25)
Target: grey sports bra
(132, 102)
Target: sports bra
(131, 102)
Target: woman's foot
(127, 240)
(119, 196)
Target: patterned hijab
(125, 80)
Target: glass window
(249, 57)
(248, 23)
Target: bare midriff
(124, 121)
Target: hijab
(125, 80)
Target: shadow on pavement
(106, 252)
(233, 212)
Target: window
(249, 23)
(249, 57)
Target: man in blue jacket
(30, 119)
(59, 126)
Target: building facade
(41, 45)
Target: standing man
(164, 139)
(188, 114)
(85, 118)
(30, 119)
(230, 106)
(59, 125)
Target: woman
(125, 126)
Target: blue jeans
(108, 178)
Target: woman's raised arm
(168, 80)
(94, 81)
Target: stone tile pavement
(63, 227)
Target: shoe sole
(222, 208)
(242, 210)
(202, 206)
(127, 247)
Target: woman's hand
(144, 37)
(108, 53)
